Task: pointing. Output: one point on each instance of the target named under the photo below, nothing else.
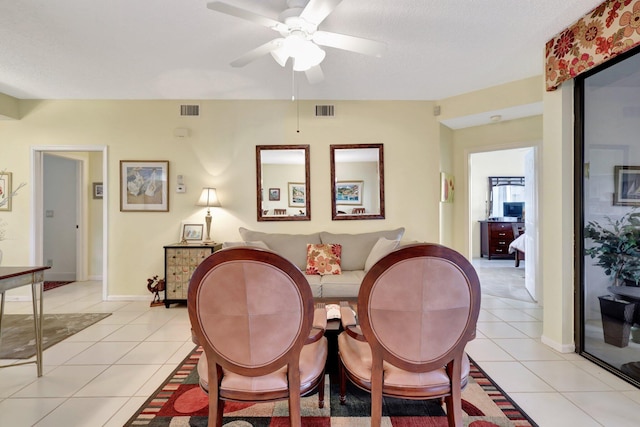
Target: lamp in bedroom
(208, 198)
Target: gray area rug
(17, 337)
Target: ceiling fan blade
(247, 15)
(354, 44)
(314, 75)
(317, 10)
(257, 52)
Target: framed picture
(191, 232)
(97, 190)
(297, 196)
(627, 186)
(446, 187)
(349, 192)
(5, 191)
(143, 185)
(274, 194)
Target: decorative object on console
(208, 198)
(143, 185)
(191, 232)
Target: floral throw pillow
(323, 259)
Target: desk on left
(15, 277)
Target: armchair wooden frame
(417, 309)
(253, 313)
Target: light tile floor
(102, 375)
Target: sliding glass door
(608, 215)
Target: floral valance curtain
(609, 30)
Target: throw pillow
(380, 249)
(323, 259)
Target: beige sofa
(359, 253)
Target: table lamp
(208, 198)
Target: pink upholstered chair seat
(312, 361)
(356, 357)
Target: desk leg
(36, 293)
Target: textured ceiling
(179, 49)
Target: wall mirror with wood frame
(357, 181)
(283, 185)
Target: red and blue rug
(180, 402)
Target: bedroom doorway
(92, 244)
(506, 278)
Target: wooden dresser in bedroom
(495, 237)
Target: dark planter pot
(617, 318)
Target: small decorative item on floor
(155, 286)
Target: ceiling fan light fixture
(280, 56)
(309, 59)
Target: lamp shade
(208, 198)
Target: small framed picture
(191, 232)
(297, 196)
(143, 185)
(627, 186)
(97, 190)
(5, 191)
(349, 192)
(274, 194)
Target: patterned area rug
(18, 336)
(53, 284)
(181, 403)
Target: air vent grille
(189, 110)
(324, 111)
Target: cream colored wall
(8, 107)
(221, 152)
(95, 220)
(446, 165)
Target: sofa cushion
(323, 259)
(291, 246)
(356, 247)
(345, 285)
(382, 247)
(256, 244)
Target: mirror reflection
(282, 173)
(506, 197)
(357, 179)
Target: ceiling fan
(300, 38)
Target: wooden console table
(15, 277)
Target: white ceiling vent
(324, 111)
(189, 110)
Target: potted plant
(616, 251)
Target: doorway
(516, 280)
(91, 240)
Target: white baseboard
(559, 347)
(95, 278)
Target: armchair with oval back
(253, 313)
